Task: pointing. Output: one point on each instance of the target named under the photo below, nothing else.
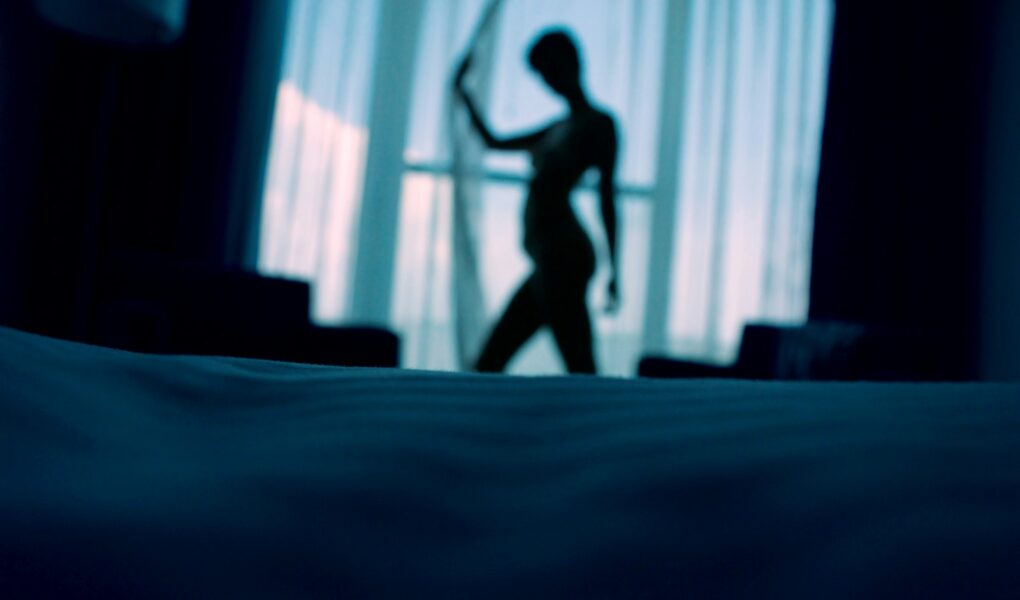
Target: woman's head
(555, 56)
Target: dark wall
(110, 152)
(20, 117)
(1000, 305)
(900, 199)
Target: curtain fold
(467, 164)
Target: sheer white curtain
(755, 81)
(719, 104)
(467, 177)
(317, 154)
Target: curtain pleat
(723, 172)
(303, 147)
(769, 244)
(341, 98)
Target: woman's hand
(458, 79)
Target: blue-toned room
(509, 298)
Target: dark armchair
(186, 309)
(820, 350)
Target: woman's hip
(564, 264)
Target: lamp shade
(135, 22)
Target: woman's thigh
(562, 293)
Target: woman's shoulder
(601, 123)
(601, 119)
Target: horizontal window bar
(516, 178)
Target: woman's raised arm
(520, 142)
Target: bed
(137, 475)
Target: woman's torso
(564, 154)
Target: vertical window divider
(389, 121)
(667, 175)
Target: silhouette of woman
(563, 258)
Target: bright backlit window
(745, 78)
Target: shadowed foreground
(164, 476)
